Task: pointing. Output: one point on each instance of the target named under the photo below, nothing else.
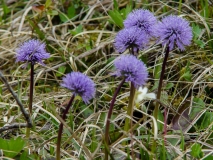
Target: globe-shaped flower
(131, 38)
(79, 84)
(174, 30)
(143, 19)
(32, 51)
(132, 69)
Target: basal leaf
(12, 147)
(116, 18)
(196, 151)
(71, 12)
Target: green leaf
(71, 12)
(52, 12)
(63, 17)
(77, 30)
(187, 76)
(6, 10)
(24, 155)
(94, 143)
(86, 111)
(196, 151)
(207, 120)
(116, 18)
(158, 69)
(144, 154)
(210, 157)
(161, 118)
(155, 86)
(197, 106)
(115, 5)
(48, 3)
(187, 73)
(196, 30)
(62, 70)
(125, 11)
(12, 147)
(200, 43)
(182, 144)
(169, 85)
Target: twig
(13, 126)
(24, 112)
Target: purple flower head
(132, 38)
(32, 51)
(143, 19)
(174, 30)
(79, 84)
(132, 69)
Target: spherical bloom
(143, 19)
(79, 84)
(32, 51)
(130, 38)
(132, 69)
(174, 30)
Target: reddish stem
(64, 116)
(108, 118)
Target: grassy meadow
(80, 36)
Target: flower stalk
(64, 117)
(31, 88)
(159, 95)
(108, 119)
(81, 85)
(130, 107)
(31, 95)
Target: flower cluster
(142, 19)
(32, 51)
(141, 25)
(80, 85)
(132, 69)
(132, 38)
(139, 28)
(174, 30)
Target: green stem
(31, 96)
(180, 6)
(130, 107)
(108, 119)
(64, 116)
(159, 93)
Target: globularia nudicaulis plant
(32, 51)
(172, 31)
(131, 70)
(81, 85)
